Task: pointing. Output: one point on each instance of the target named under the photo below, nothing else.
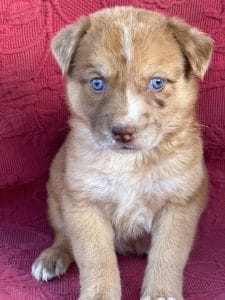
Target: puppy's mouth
(125, 148)
(146, 141)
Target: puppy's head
(132, 74)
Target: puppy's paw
(99, 297)
(158, 298)
(101, 293)
(51, 263)
(162, 290)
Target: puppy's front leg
(172, 238)
(91, 237)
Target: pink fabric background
(33, 124)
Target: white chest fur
(129, 216)
(131, 190)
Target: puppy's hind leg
(55, 260)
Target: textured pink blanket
(33, 124)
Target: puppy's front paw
(51, 263)
(99, 297)
(101, 293)
(161, 289)
(161, 297)
(158, 298)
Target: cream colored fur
(102, 197)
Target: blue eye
(97, 84)
(156, 83)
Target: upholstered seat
(33, 124)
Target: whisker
(202, 125)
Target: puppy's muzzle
(123, 134)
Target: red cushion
(33, 124)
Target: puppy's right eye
(97, 84)
(157, 84)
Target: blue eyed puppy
(132, 164)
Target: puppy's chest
(128, 189)
(129, 199)
(123, 201)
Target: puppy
(132, 163)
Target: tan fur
(102, 196)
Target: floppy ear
(66, 41)
(196, 46)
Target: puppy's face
(131, 75)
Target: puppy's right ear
(66, 41)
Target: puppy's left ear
(196, 46)
(66, 41)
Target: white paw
(52, 262)
(45, 272)
(159, 298)
(166, 298)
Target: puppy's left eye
(157, 84)
(97, 84)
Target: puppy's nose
(123, 134)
